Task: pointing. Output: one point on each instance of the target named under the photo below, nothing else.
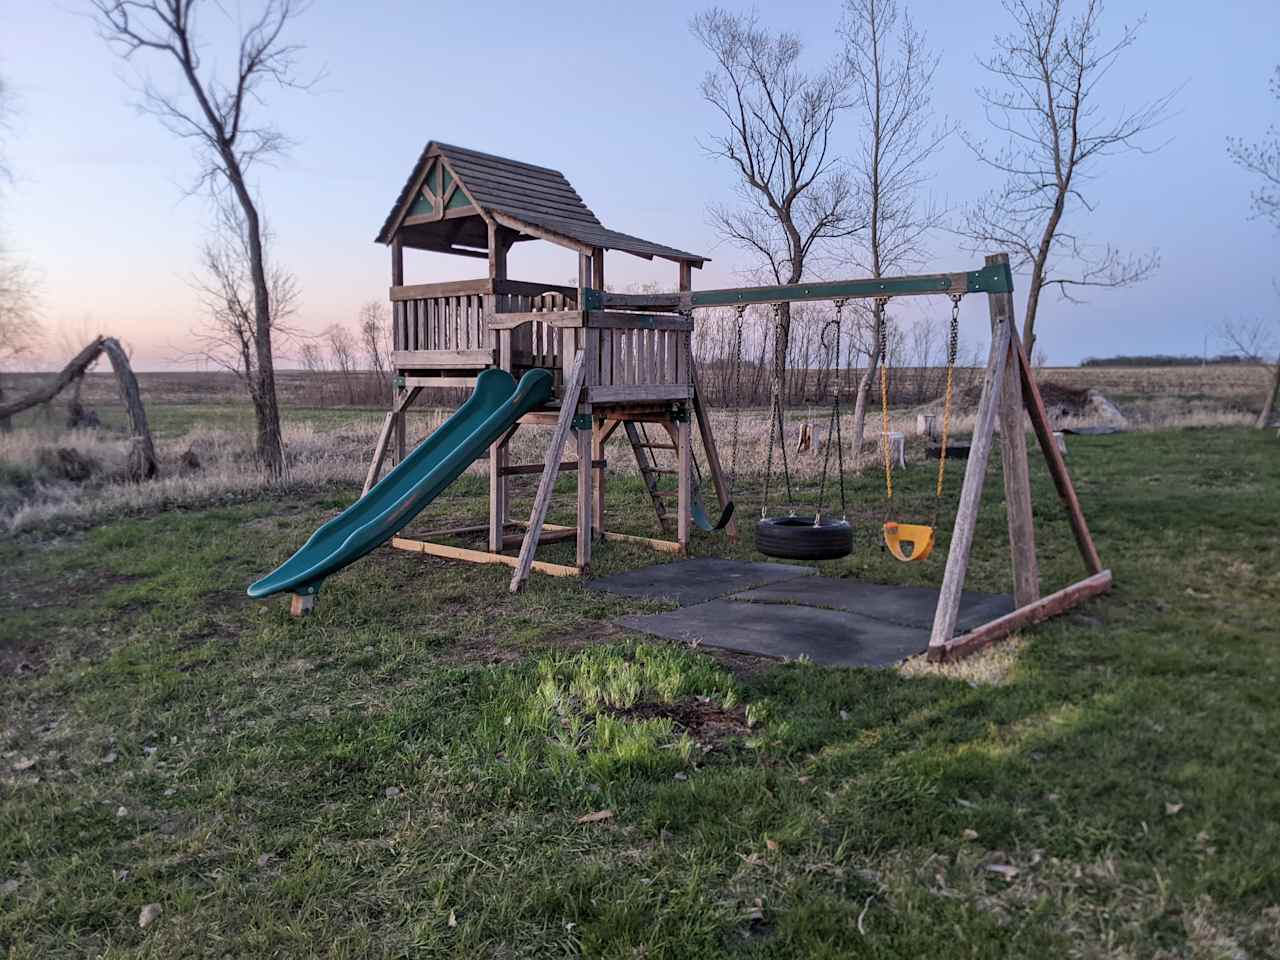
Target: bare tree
(892, 70)
(375, 343)
(1256, 341)
(342, 348)
(228, 286)
(1262, 159)
(19, 327)
(1047, 106)
(313, 361)
(217, 114)
(794, 195)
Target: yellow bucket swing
(910, 542)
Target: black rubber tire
(796, 538)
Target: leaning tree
(1055, 129)
(218, 110)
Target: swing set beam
(991, 279)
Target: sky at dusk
(608, 94)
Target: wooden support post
(397, 261)
(723, 494)
(948, 611)
(301, 604)
(401, 405)
(379, 452)
(684, 443)
(498, 457)
(1057, 466)
(1024, 616)
(546, 486)
(586, 506)
(599, 434)
(1013, 461)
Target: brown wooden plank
(480, 556)
(449, 288)
(1053, 456)
(637, 321)
(585, 500)
(640, 392)
(685, 442)
(529, 289)
(1024, 616)
(1013, 462)
(440, 359)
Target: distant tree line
(1168, 360)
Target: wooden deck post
(498, 457)
(948, 610)
(586, 502)
(683, 495)
(1013, 460)
(598, 439)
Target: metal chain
(833, 424)
(739, 310)
(953, 343)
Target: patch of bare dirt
(700, 717)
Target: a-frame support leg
(948, 610)
(713, 453)
(1053, 456)
(392, 425)
(546, 486)
(684, 453)
(1013, 460)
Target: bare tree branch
(1262, 159)
(1046, 106)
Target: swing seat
(803, 538)
(908, 542)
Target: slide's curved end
(497, 403)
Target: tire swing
(909, 542)
(793, 537)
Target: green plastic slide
(497, 403)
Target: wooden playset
(626, 360)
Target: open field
(403, 773)
(205, 413)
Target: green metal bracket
(399, 383)
(582, 421)
(680, 413)
(997, 278)
(592, 299)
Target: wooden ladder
(650, 472)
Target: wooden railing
(638, 356)
(454, 316)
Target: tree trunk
(142, 454)
(864, 387)
(1269, 405)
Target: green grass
(402, 774)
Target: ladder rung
(655, 446)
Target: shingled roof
(536, 201)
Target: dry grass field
(202, 426)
